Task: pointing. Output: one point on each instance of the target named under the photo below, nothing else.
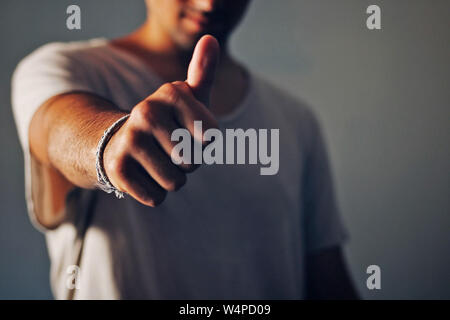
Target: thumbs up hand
(137, 159)
(202, 68)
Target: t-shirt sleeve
(324, 226)
(49, 71)
(45, 73)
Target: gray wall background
(383, 98)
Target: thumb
(202, 68)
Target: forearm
(64, 133)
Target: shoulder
(68, 49)
(61, 55)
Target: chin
(188, 40)
(188, 34)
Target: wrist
(103, 182)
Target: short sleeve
(45, 73)
(49, 71)
(324, 226)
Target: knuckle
(152, 114)
(141, 110)
(170, 93)
(181, 85)
(116, 167)
(132, 138)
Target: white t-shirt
(229, 233)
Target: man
(227, 232)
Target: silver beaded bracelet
(102, 179)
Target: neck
(170, 61)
